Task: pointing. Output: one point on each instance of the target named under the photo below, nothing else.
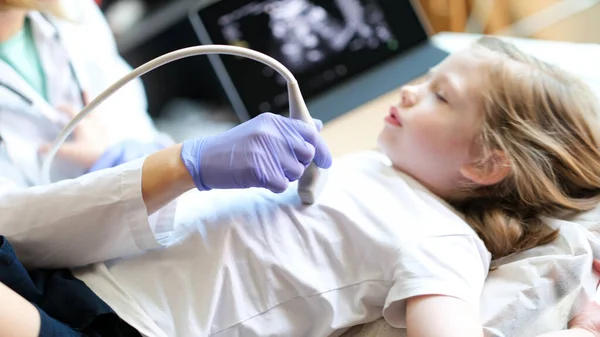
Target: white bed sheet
(539, 290)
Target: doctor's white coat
(98, 216)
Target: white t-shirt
(254, 263)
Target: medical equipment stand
(313, 179)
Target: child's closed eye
(440, 97)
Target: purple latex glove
(123, 152)
(268, 151)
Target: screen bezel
(237, 103)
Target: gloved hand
(88, 142)
(123, 152)
(268, 151)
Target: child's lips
(394, 117)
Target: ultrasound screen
(323, 43)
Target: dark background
(166, 28)
(256, 88)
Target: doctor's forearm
(164, 178)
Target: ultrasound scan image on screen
(302, 34)
(322, 42)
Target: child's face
(430, 133)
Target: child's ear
(492, 171)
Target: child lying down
(471, 158)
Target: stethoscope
(30, 103)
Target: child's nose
(408, 96)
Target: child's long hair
(546, 122)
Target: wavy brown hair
(546, 123)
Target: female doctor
(121, 210)
(48, 68)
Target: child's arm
(447, 316)
(18, 318)
(437, 288)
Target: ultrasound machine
(343, 53)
